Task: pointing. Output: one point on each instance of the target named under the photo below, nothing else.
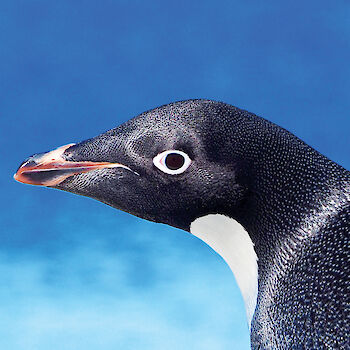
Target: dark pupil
(174, 161)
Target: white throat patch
(230, 240)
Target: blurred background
(76, 274)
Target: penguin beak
(50, 169)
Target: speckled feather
(293, 202)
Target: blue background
(76, 274)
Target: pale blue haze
(76, 274)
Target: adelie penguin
(275, 209)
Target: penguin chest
(230, 240)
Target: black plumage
(292, 200)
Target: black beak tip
(29, 162)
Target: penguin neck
(261, 237)
(292, 193)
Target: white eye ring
(172, 165)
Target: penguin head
(167, 165)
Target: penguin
(275, 209)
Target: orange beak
(50, 169)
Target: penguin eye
(172, 162)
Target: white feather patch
(230, 240)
